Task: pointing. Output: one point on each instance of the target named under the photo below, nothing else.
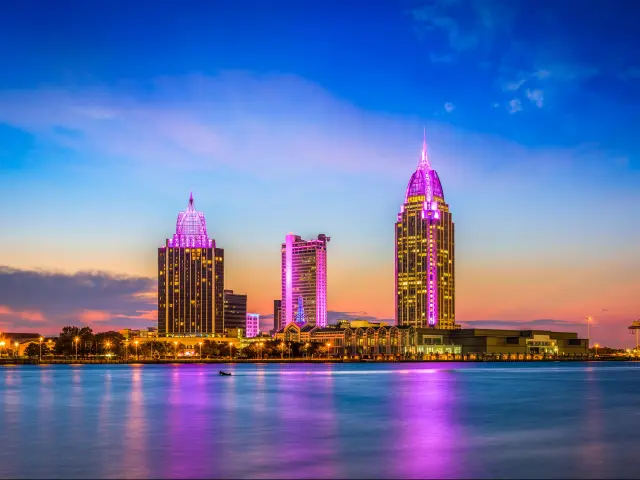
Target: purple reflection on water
(321, 421)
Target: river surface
(527, 420)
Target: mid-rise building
(304, 280)
(252, 325)
(235, 311)
(425, 261)
(190, 279)
(277, 311)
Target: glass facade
(425, 260)
(190, 280)
(304, 280)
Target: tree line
(82, 342)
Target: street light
(137, 357)
(200, 343)
(260, 344)
(588, 320)
(16, 344)
(1, 348)
(230, 350)
(306, 350)
(108, 344)
(597, 349)
(328, 350)
(126, 350)
(41, 339)
(175, 350)
(76, 340)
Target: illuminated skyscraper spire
(424, 159)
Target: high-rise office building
(235, 311)
(253, 325)
(277, 311)
(190, 279)
(304, 280)
(425, 261)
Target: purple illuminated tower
(304, 280)
(190, 279)
(425, 280)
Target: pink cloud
(28, 315)
(90, 316)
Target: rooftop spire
(191, 201)
(424, 160)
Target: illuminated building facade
(253, 325)
(304, 280)
(277, 311)
(425, 261)
(190, 279)
(235, 311)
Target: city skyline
(103, 134)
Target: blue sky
(292, 116)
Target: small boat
(225, 373)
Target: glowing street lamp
(200, 343)
(137, 357)
(41, 339)
(260, 344)
(230, 350)
(108, 344)
(328, 350)
(76, 340)
(16, 344)
(588, 320)
(1, 348)
(306, 350)
(175, 350)
(597, 349)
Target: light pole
(76, 340)
(306, 350)
(49, 342)
(588, 320)
(200, 343)
(41, 339)
(260, 344)
(230, 351)
(137, 357)
(328, 350)
(16, 344)
(107, 345)
(1, 348)
(126, 350)
(175, 350)
(282, 351)
(597, 349)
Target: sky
(308, 117)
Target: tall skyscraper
(304, 280)
(425, 261)
(253, 325)
(235, 310)
(277, 314)
(190, 279)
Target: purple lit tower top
(191, 229)
(425, 272)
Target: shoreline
(25, 361)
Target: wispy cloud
(449, 107)
(210, 122)
(514, 106)
(536, 97)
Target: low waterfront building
(372, 340)
(497, 341)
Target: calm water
(559, 420)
